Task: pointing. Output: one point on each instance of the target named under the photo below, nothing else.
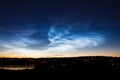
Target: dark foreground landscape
(76, 68)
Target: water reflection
(16, 67)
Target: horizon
(57, 56)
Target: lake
(16, 67)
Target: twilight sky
(59, 28)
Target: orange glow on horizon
(49, 55)
(65, 55)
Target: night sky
(59, 28)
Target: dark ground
(79, 68)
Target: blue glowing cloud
(61, 40)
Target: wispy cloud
(62, 40)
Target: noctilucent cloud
(48, 29)
(58, 40)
